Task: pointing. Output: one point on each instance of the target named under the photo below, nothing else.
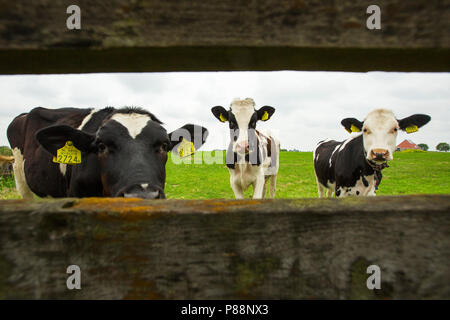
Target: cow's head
(130, 149)
(380, 129)
(242, 117)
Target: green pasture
(409, 173)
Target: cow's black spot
(338, 192)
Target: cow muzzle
(143, 191)
(380, 155)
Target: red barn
(407, 144)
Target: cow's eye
(393, 130)
(101, 147)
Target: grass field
(409, 173)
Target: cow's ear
(413, 123)
(191, 133)
(352, 125)
(55, 137)
(265, 113)
(220, 113)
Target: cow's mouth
(378, 165)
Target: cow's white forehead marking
(134, 122)
(248, 102)
(380, 118)
(243, 110)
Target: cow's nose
(379, 154)
(142, 191)
(242, 147)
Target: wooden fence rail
(226, 249)
(198, 35)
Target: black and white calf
(123, 152)
(252, 155)
(353, 166)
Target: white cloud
(309, 105)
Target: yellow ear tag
(186, 148)
(265, 116)
(353, 128)
(222, 118)
(411, 129)
(68, 154)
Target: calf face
(380, 129)
(242, 117)
(130, 150)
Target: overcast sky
(309, 105)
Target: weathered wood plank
(197, 35)
(216, 249)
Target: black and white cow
(353, 166)
(252, 156)
(123, 152)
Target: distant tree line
(443, 146)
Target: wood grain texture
(226, 249)
(196, 35)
